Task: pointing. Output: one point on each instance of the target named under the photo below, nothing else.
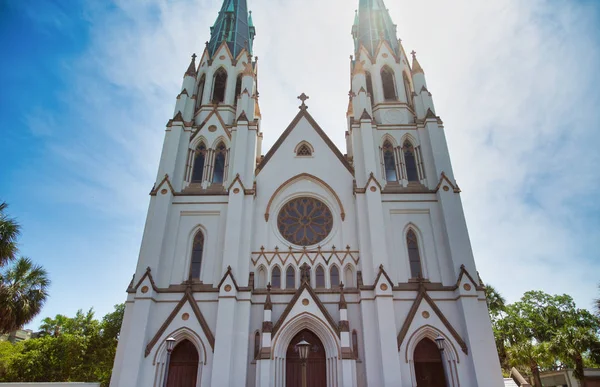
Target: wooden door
(429, 369)
(183, 368)
(316, 368)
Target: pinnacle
(365, 116)
(191, 71)
(416, 66)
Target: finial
(342, 304)
(303, 97)
(191, 71)
(413, 53)
(268, 303)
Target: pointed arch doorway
(183, 367)
(429, 369)
(316, 366)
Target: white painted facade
(221, 311)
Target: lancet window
(256, 345)
(276, 278)
(220, 159)
(290, 278)
(370, 87)
(219, 86)
(320, 277)
(389, 84)
(410, 161)
(196, 261)
(389, 162)
(200, 93)
(407, 90)
(238, 89)
(414, 257)
(334, 277)
(199, 163)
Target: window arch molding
(190, 246)
(408, 88)
(200, 90)
(219, 90)
(389, 85)
(314, 179)
(420, 243)
(389, 148)
(320, 277)
(349, 276)
(287, 271)
(301, 146)
(418, 157)
(261, 279)
(180, 335)
(333, 271)
(281, 274)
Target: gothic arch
(388, 83)
(281, 274)
(219, 90)
(312, 178)
(302, 144)
(160, 357)
(309, 321)
(285, 274)
(421, 243)
(261, 277)
(218, 140)
(200, 90)
(196, 141)
(320, 271)
(390, 138)
(349, 279)
(451, 354)
(188, 253)
(340, 274)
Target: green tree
(495, 302)
(9, 232)
(532, 355)
(23, 291)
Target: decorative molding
(413, 311)
(306, 286)
(267, 327)
(312, 256)
(304, 113)
(147, 274)
(444, 178)
(187, 297)
(307, 176)
(203, 124)
(344, 326)
(464, 272)
(230, 274)
(163, 181)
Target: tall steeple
(233, 26)
(373, 24)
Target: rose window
(305, 221)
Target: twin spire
(233, 26)
(372, 24)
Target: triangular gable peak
(207, 120)
(222, 50)
(165, 181)
(187, 298)
(381, 45)
(304, 114)
(444, 178)
(464, 278)
(229, 274)
(299, 305)
(204, 58)
(146, 275)
(413, 312)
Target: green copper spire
(372, 24)
(233, 26)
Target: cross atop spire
(373, 24)
(233, 26)
(303, 97)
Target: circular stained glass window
(305, 221)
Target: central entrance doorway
(316, 368)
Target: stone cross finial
(303, 97)
(413, 53)
(194, 56)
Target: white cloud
(513, 81)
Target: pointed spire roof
(416, 66)
(233, 26)
(373, 24)
(191, 71)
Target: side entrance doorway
(429, 368)
(316, 367)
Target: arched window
(261, 282)
(349, 277)
(304, 151)
(238, 89)
(197, 250)
(183, 365)
(276, 278)
(389, 162)
(256, 345)
(290, 278)
(389, 84)
(407, 89)
(414, 257)
(334, 276)
(199, 161)
(200, 93)
(410, 161)
(320, 277)
(219, 86)
(220, 157)
(370, 87)
(355, 344)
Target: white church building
(306, 266)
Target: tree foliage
(544, 332)
(23, 285)
(70, 349)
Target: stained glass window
(199, 159)
(197, 249)
(335, 277)
(305, 221)
(220, 155)
(389, 162)
(414, 257)
(290, 278)
(389, 85)
(320, 277)
(219, 85)
(304, 150)
(410, 161)
(276, 278)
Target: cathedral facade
(305, 266)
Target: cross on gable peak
(303, 97)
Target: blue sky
(87, 88)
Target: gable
(304, 128)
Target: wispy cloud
(515, 83)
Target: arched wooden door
(183, 368)
(316, 368)
(429, 369)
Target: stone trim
(148, 274)
(267, 327)
(187, 297)
(229, 273)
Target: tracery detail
(305, 221)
